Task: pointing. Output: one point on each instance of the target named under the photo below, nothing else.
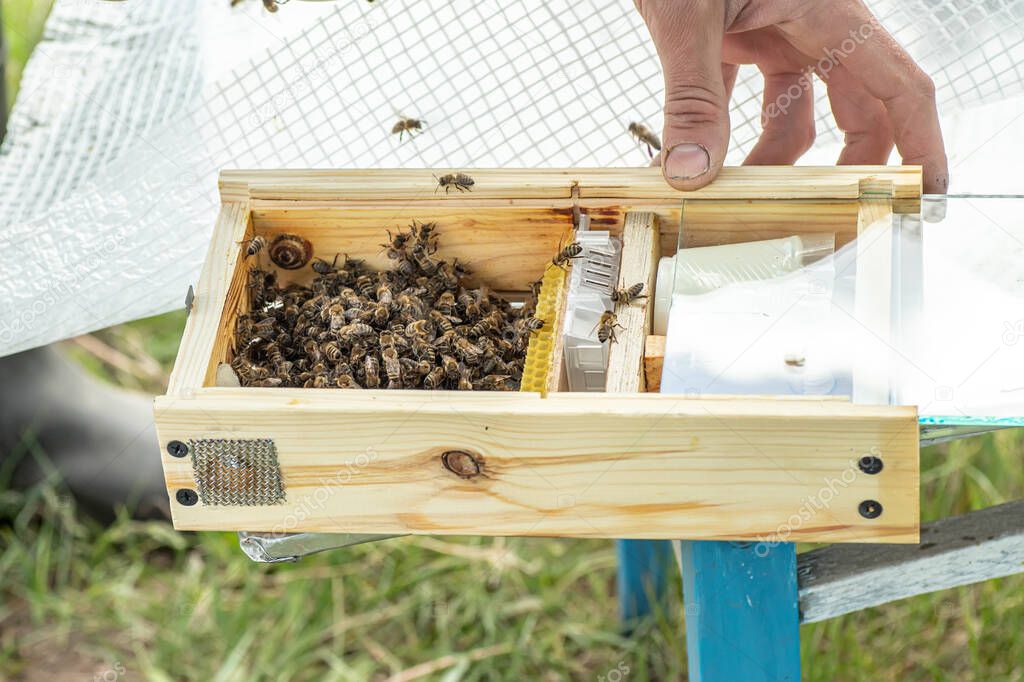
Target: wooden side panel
(639, 264)
(507, 248)
(587, 466)
(220, 286)
(654, 360)
(403, 185)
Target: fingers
(787, 119)
(861, 117)
(846, 34)
(688, 37)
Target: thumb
(688, 37)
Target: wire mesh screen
(237, 472)
(107, 182)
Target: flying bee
(645, 136)
(627, 295)
(459, 181)
(571, 251)
(255, 245)
(371, 371)
(434, 378)
(406, 124)
(606, 327)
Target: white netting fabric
(107, 179)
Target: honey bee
(491, 322)
(255, 245)
(322, 267)
(365, 285)
(606, 327)
(424, 261)
(627, 295)
(445, 303)
(571, 251)
(352, 331)
(645, 136)
(371, 371)
(419, 328)
(532, 324)
(406, 124)
(332, 351)
(392, 367)
(451, 366)
(346, 380)
(492, 382)
(434, 378)
(459, 181)
(469, 352)
(268, 382)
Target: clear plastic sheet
(951, 339)
(129, 110)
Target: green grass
(136, 600)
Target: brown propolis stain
(463, 464)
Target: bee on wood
(627, 295)
(646, 136)
(406, 124)
(571, 251)
(459, 181)
(606, 327)
(371, 371)
(322, 267)
(255, 245)
(434, 378)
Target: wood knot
(461, 463)
(290, 252)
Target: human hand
(879, 96)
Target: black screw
(870, 509)
(177, 449)
(186, 496)
(870, 464)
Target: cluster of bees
(415, 325)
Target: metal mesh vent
(237, 472)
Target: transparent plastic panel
(927, 312)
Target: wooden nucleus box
(621, 464)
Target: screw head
(870, 509)
(186, 496)
(870, 464)
(177, 449)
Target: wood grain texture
(745, 182)
(644, 466)
(654, 360)
(506, 248)
(639, 264)
(961, 550)
(205, 334)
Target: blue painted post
(643, 576)
(742, 618)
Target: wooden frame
(628, 465)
